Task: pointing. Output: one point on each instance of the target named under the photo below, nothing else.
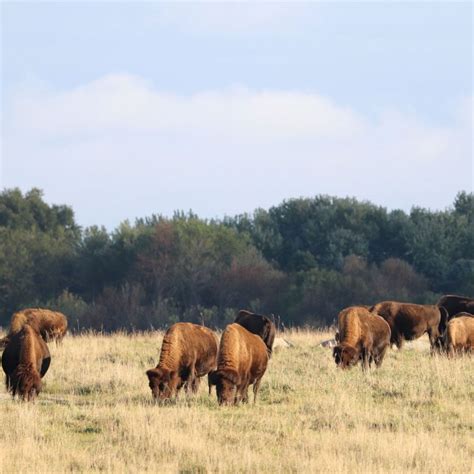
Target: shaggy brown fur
(456, 304)
(25, 361)
(188, 352)
(259, 325)
(409, 321)
(243, 359)
(51, 325)
(363, 336)
(460, 334)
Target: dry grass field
(96, 414)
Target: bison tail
(444, 318)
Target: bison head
(160, 383)
(33, 391)
(225, 382)
(345, 356)
(26, 383)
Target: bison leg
(241, 394)
(451, 351)
(438, 346)
(245, 394)
(187, 376)
(210, 380)
(192, 383)
(380, 357)
(256, 386)
(399, 342)
(433, 334)
(365, 359)
(195, 384)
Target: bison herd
(365, 332)
(190, 351)
(240, 359)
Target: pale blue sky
(124, 109)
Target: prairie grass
(96, 414)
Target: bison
(363, 336)
(259, 325)
(188, 352)
(25, 361)
(51, 325)
(456, 304)
(409, 321)
(243, 359)
(459, 335)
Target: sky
(122, 110)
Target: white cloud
(128, 104)
(118, 148)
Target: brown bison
(460, 334)
(259, 325)
(363, 336)
(456, 304)
(243, 359)
(409, 321)
(188, 352)
(25, 361)
(51, 325)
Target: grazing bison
(25, 361)
(363, 336)
(243, 359)
(259, 325)
(456, 304)
(51, 325)
(409, 321)
(459, 335)
(189, 351)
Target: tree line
(302, 260)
